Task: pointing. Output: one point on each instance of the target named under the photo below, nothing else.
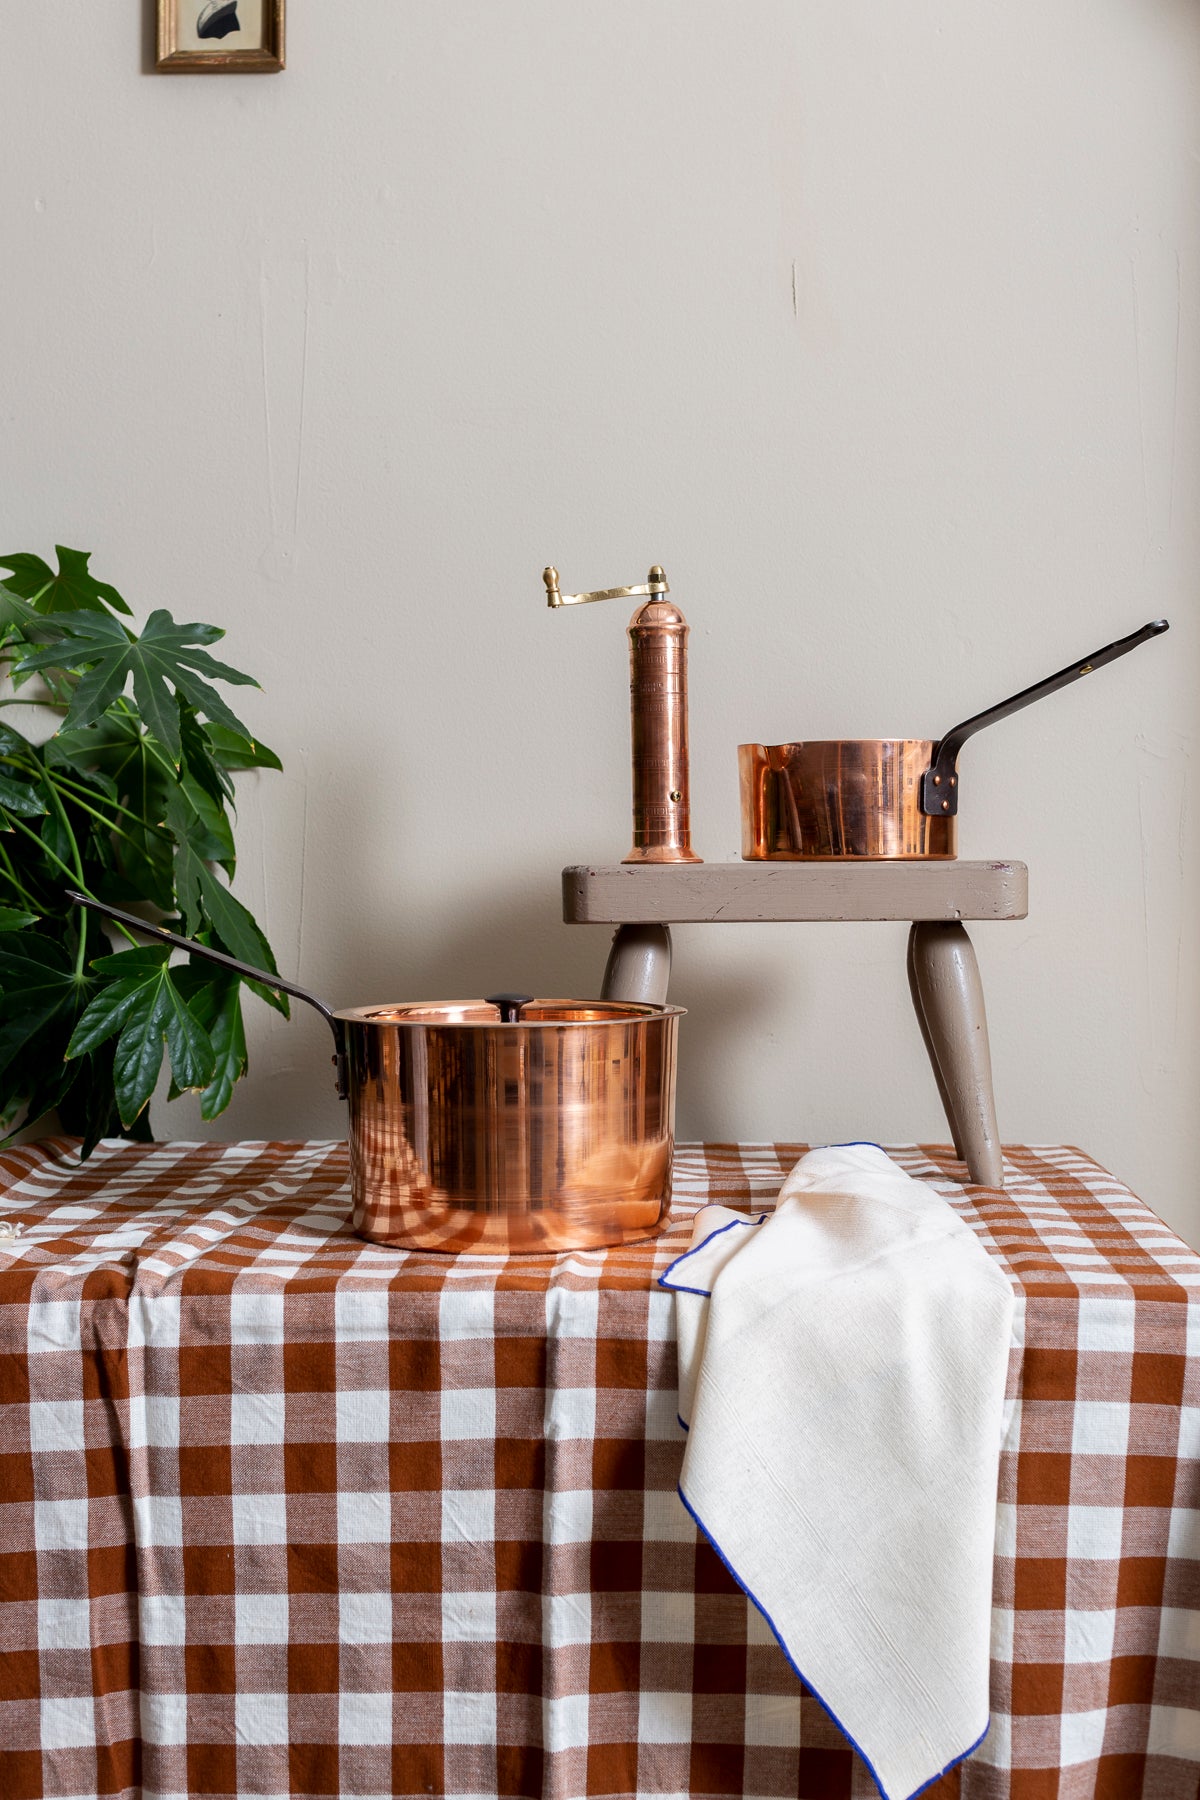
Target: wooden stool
(644, 900)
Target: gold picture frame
(192, 35)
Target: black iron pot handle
(133, 923)
(939, 784)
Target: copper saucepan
(876, 797)
(497, 1125)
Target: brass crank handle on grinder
(657, 584)
(133, 923)
(939, 785)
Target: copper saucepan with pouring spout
(496, 1125)
(877, 798)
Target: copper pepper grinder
(658, 635)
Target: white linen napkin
(842, 1367)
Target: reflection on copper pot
(553, 1132)
(844, 797)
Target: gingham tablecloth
(283, 1513)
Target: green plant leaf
(135, 785)
(198, 755)
(202, 895)
(208, 830)
(149, 1011)
(141, 961)
(20, 797)
(193, 1061)
(232, 751)
(87, 1108)
(32, 967)
(229, 1046)
(108, 1012)
(107, 745)
(136, 1064)
(207, 789)
(16, 614)
(50, 1078)
(56, 835)
(102, 785)
(16, 1039)
(116, 751)
(164, 664)
(198, 983)
(160, 1014)
(39, 983)
(71, 589)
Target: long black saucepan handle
(133, 923)
(939, 787)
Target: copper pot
(879, 798)
(497, 1125)
(551, 1129)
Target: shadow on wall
(725, 1023)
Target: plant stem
(76, 799)
(75, 877)
(21, 762)
(145, 742)
(110, 824)
(80, 883)
(77, 788)
(22, 890)
(60, 809)
(52, 784)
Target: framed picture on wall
(218, 36)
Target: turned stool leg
(930, 1049)
(639, 964)
(946, 984)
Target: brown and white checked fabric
(283, 1513)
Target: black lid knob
(511, 1006)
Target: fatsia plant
(124, 794)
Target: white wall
(877, 326)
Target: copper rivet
(954, 781)
(945, 806)
(937, 781)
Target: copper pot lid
(507, 1009)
